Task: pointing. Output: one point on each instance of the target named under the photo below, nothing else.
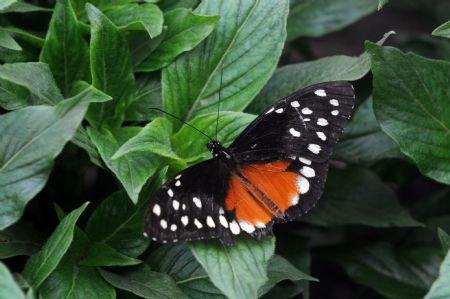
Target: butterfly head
(216, 149)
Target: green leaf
(230, 126)
(65, 49)
(280, 269)
(178, 261)
(25, 37)
(441, 288)
(330, 68)
(409, 96)
(357, 196)
(245, 47)
(319, 17)
(132, 169)
(82, 140)
(19, 239)
(42, 264)
(238, 271)
(393, 272)
(32, 138)
(7, 41)
(119, 223)
(445, 239)
(168, 5)
(111, 70)
(363, 140)
(185, 30)
(145, 283)
(24, 84)
(72, 281)
(100, 254)
(138, 17)
(154, 138)
(8, 287)
(443, 30)
(147, 95)
(8, 6)
(382, 3)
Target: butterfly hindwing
(189, 206)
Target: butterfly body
(273, 172)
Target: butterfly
(274, 171)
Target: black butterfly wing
(302, 128)
(189, 206)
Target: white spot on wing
(197, 202)
(197, 223)
(145, 234)
(163, 223)
(175, 204)
(178, 183)
(234, 227)
(270, 110)
(305, 161)
(246, 226)
(306, 111)
(279, 110)
(185, 220)
(322, 122)
(314, 148)
(170, 192)
(335, 112)
(320, 93)
(157, 210)
(178, 177)
(334, 102)
(321, 135)
(308, 172)
(295, 199)
(221, 211)
(302, 185)
(223, 221)
(183, 207)
(173, 227)
(210, 222)
(294, 132)
(295, 104)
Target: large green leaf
(319, 17)
(70, 280)
(145, 283)
(8, 287)
(185, 30)
(24, 84)
(19, 239)
(443, 30)
(280, 269)
(441, 287)
(444, 238)
(238, 271)
(65, 49)
(307, 73)
(245, 46)
(147, 95)
(154, 137)
(42, 264)
(363, 140)
(132, 169)
(119, 223)
(7, 41)
(31, 139)
(178, 261)
(410, 100)
(395, 273)
(8, 6)
(100, 254)
(230, 126)
(138, 17)
(357, 196)
(110, 69)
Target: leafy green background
(82, 152)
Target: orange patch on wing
(270, 178)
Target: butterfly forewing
(280, 163)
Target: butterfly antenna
(218, 105)
(182, 121)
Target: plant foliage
(76, 126)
